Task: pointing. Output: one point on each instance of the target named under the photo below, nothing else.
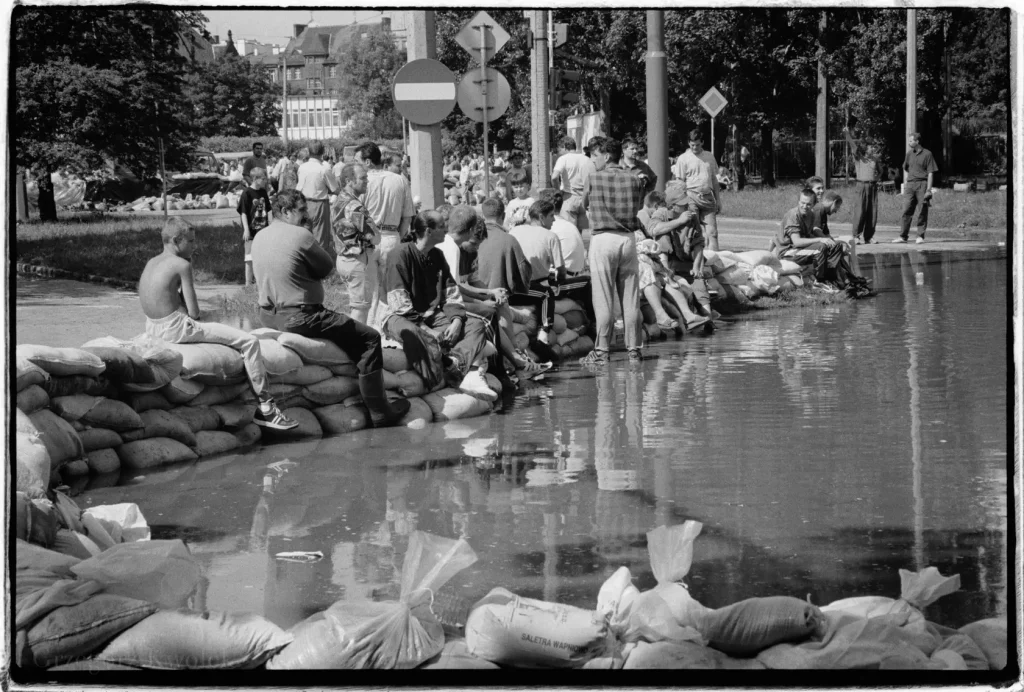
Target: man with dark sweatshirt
(289, 265)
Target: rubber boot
(382, 412)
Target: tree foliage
(100, 83)
(233, 98)
(367, 67)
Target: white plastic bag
(163, 572)
(764, 279)
(124, 522)
(400, 634)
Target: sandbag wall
(569, 337)
(144, 403)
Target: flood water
(823, 449)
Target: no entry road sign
(424, 91)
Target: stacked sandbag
(569, 330)
(144, 402)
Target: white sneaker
(474, 384)
(530, 370)
(919, 241)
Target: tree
(92, 85)
(233, 98)
(367, 67)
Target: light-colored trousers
(614, 270)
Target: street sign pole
(713, 138)
(482, 28)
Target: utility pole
(284, 101)
(424, 140)
(657, 97)
(821, 167)
(911, 72)
(947, 113)
(541, 151)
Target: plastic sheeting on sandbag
(526, 633)
(32, 465)
(210, 363)
(990, 635)
(209, 442)
(28, 373)
(861, 643)
(765, 280)
(455, 655)
(75, 543)
(122, 364)
(61, 361)
(338, 418)
(688, 655)
(123, 521)
(400, 634)
(966, 649)
(163, 572)
(191, 640)
(760, 257)
(163, 361)
(278, 358)
(154, 451)
(451, 404)
(32, 398)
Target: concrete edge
(55, 273)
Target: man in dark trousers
(920, 167)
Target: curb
(54, 273)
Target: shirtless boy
(169, 302)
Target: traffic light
(564, 85)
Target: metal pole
(284, 102)
(846, 147)
(911, 72)
(405, 145)
(551, 39)
(483, 91)
(657, 97)
(163, 174)
(713, 142)
(821, 165)
(426, 177)
(539, 101)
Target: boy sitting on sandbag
(172, 312)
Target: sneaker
(530, 370)
(474, 384)
(899, 240)
(634, 355)
(275, 420)
(595, 357)
(919, 241)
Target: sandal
(670, 325)
(699, 322)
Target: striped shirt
(614, 197)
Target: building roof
(324, 40)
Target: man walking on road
(355, 242)
(613, 196)
(571, 170)
(317, 184)
(699, 172)
(920, 167)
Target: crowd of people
(447, 283)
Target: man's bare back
(160, 286)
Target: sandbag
(338, 418)
(990, 635)
(209, 442)
(966, 649)
(526, 633)
(757, 258)
(74, 468)
(558, 324)
(32, 398)
(164, 362)
(859, 643)
(395, 359)
(419, 414)
(144, 401)
(75, 631)
(394, 635)
(152, 452)
(455, 655)
(583, 344)
(163, 572)
(688, 655)
(97, 412)
(235, 415)
(75, 544)
(33, 465)
(331, 391)
(788, 268)
(277, 358)
(409, 383)
(28, 373)
(309, 426)
(566, 337)
(122, 364)
(98, 438)
(521, 340)
(736, 275)
(29, 556)
(102, 460)
(304, 375)
(344, 369)
(60, 439)
(179, 391)
(70, 512)
(747, 627)
(564, 305)
(450, 404)
(575, 319)
(95, 530)
(158, 423)
(35, 520)
(197, 417)
(190, 640)
(314, 351)
(123, 521)
(219, 394)
(76, 384)
(61, 361)
(248, 435)
(210, 363)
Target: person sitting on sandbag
(168, 298)
(426, 313)
(486, 302)
(547, 267)
(290, 266)
(802, 240)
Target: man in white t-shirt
(577, 282)
(517, 211)
(544, 252)
(698, 171)
(388, 200)
(571, 171)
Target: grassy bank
(120, 248)
(981, 210)
(243, 302)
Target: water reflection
(823, 450)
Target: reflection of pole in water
(550, 557)
(913, 344)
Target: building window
(332, 71)
(302, 118)
(293, 119)
(273, 75)
(337, 118)
(309, 60)
(314, 83)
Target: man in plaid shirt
(613, 197)
(355, 240)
